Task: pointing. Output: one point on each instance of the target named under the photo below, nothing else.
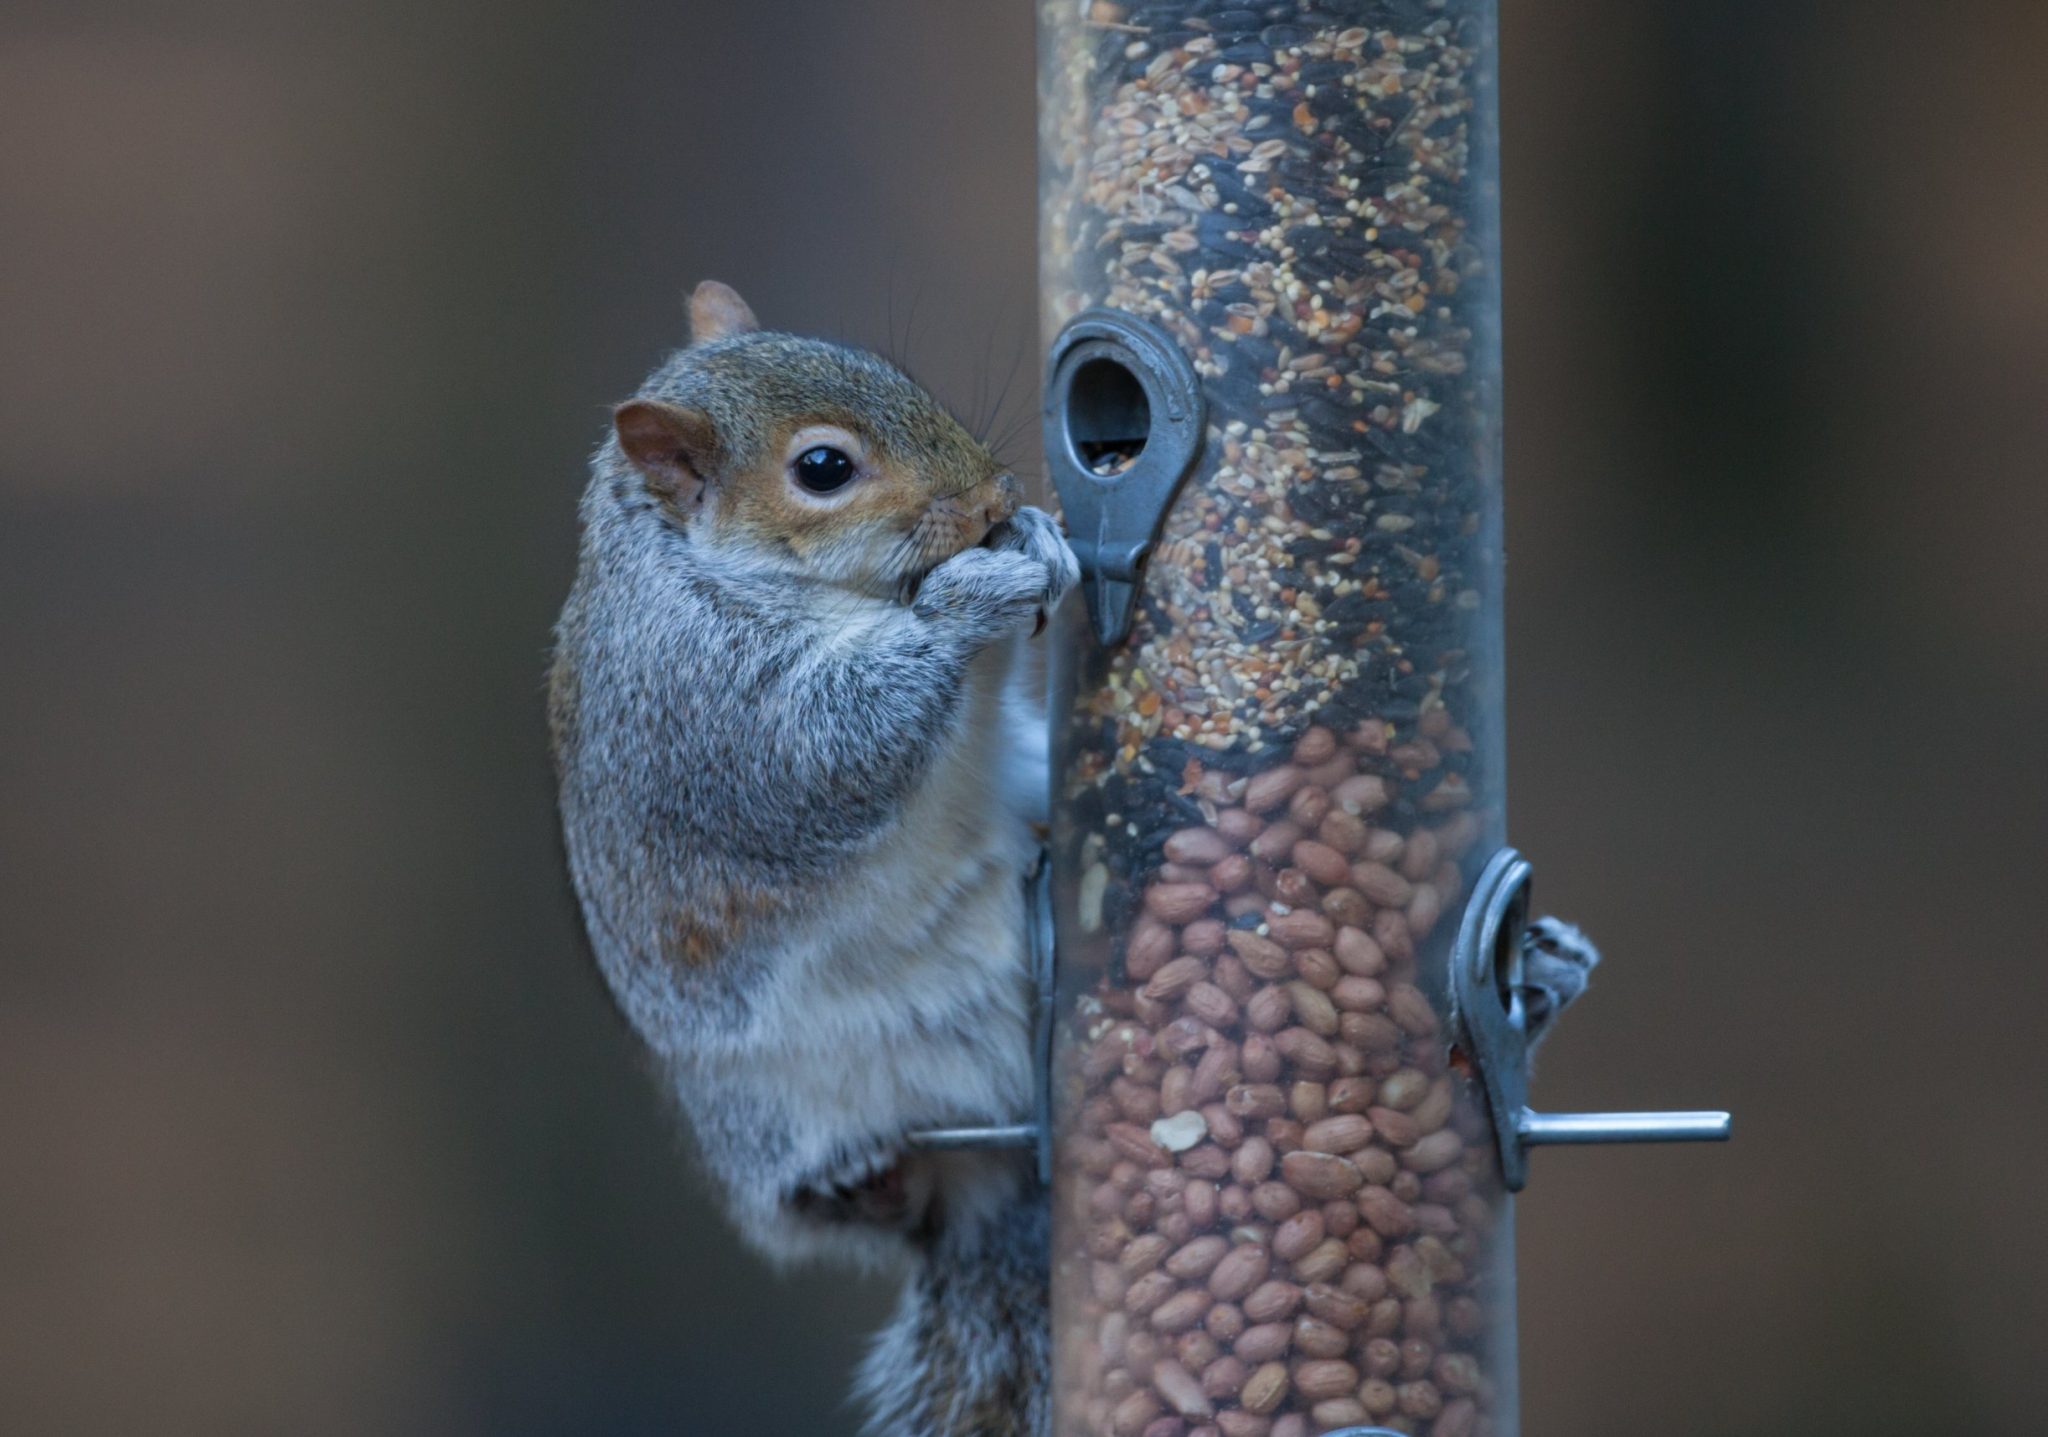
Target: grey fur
(756, 737)
(968, 1352)
(1557, 962)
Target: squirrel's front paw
(987, 591)
(1035, 533)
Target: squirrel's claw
(1022, 568)
(1557, 959)
(878, 1189)
(1036, 535)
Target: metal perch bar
(1559, 1129)
(1017, 1135)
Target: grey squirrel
(799, 759)
(798, 765)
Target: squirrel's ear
(716, 310)
(674, 446)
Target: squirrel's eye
(823, 469)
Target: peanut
(1407, 1006)
(1308, 1052)
(1181, 1391)
(1201, 846)
(1263, 956)
(1266, 1388)
(1314, 1008)
(1437, 1150)
(1254, 1100)
(1322, 1378)
(1337, 1412)
(1231, 873)
(1320, 862)
(1133, 1414)
(1318, 968)
(1147, 1293)
(1420, 1400)
(1345, 1133)
(1236, 827)
(1460, 1418)
(1317, 744)
(1181, 1311)
(1269, 1009)
(1178, 903)
(1358, 953)
(1135, 1145)
(1175, 978)
(1320, 1175)
(1309, 805)
(1301, 928)
(1197, 1257)
(1314, 1337)
(1381, 884)
(1276, 842)
(1347, 907)
(1395, 1127)
(1224, 1378)
(1243, 1268)
(1271, 1301)
(1275, 1202)
(1335, 1306)
(1211, 1004)
(1342, 831)
(1322, 1262)
(1142, 1254)
(1362, 793)
(1295, 1237)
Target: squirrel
(799, 759)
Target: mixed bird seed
(1276, 1190)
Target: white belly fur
(905, 1003)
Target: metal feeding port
(1123, 426)
(1486, 996)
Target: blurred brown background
(312, 1119)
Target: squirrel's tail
(967, 1352)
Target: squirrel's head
(806, 456)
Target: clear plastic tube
(1276, 1205)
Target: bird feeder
(1287, 1071)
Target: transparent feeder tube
(1277, 1207)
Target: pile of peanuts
(1275, 1188)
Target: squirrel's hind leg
(1557, 961)
(891, 1193)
